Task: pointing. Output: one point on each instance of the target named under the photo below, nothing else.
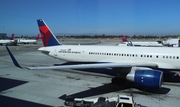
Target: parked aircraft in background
(171, 42)
(28, 41)
(136, 43)
(9, 41)
(12, 37)
(141, 65)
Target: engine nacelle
(146, 78)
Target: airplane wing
(100, 65)
(83, 66)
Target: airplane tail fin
(48, 38)
(12, 37)
(124, 39)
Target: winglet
(13, 58)
(48, 38)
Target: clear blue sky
(126, 17)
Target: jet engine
(147, 78)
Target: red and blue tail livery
(124, 39)
(12, 37)
(48, 38)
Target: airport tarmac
(44, 88)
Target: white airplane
(142, 44)
(28, 41)
(141, 65)
(7, 41)
(171, 42)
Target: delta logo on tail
(47, 36)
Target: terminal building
(3, 36)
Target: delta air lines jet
(28, 41)
(141, 65)
(143, 44)
(7, 41)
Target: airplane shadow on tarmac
(167, 76)
(111, 87)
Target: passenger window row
(132, 55)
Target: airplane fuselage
(6, 41)
(26, 41)
(146, 44)
(166, 58)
